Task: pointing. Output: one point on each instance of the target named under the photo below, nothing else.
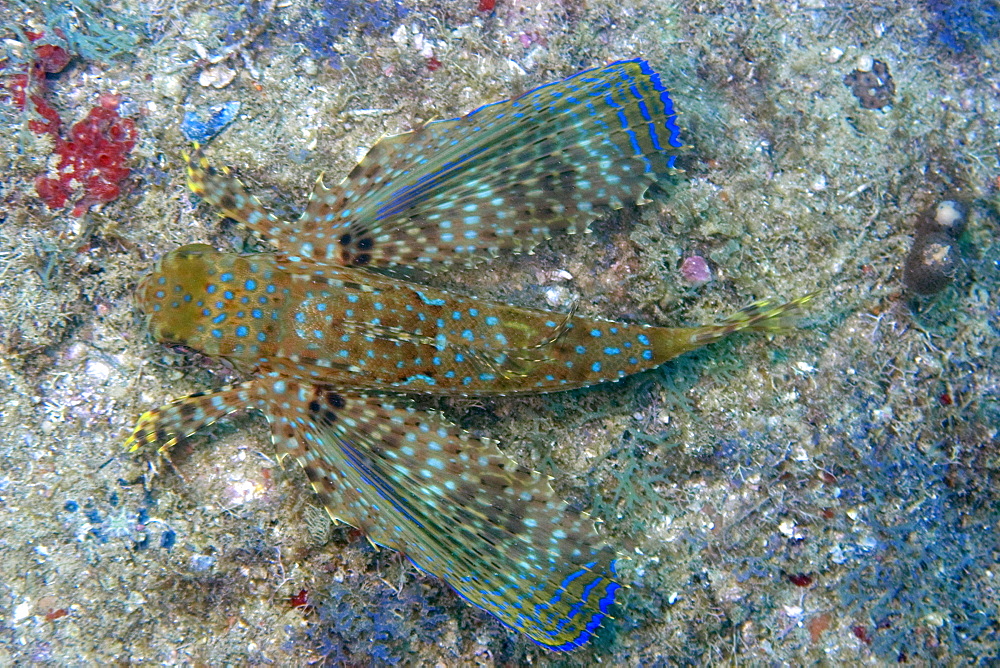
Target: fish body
(332, 347)
(352, 328)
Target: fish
(333, 345)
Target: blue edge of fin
(670, 116)
(585, 635)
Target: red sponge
(93, 160)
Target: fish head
(175, 295)
(216, 303)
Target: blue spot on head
(580, 350)
(250, 284)
(492, 321)
(595, 367)
(242, 330)
(643, 339)
(210, 288)
(647, 354)
(217, 333)
(595, 332)
(226, 277)
(261, 336)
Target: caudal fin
(766, 315)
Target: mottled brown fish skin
(360, 330)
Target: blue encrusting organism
(326, 342)
(203, 126)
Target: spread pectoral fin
(455, 505)
(508, 175)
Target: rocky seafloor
(826, 496)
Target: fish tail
(766, 315)
(586, 351)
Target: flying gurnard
(331, 346)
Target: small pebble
(98, 370)
(948, 213)
(201, 562)
(216, 76)
(310, 67)
(947, 217)
(695, 271)
(557, 296)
